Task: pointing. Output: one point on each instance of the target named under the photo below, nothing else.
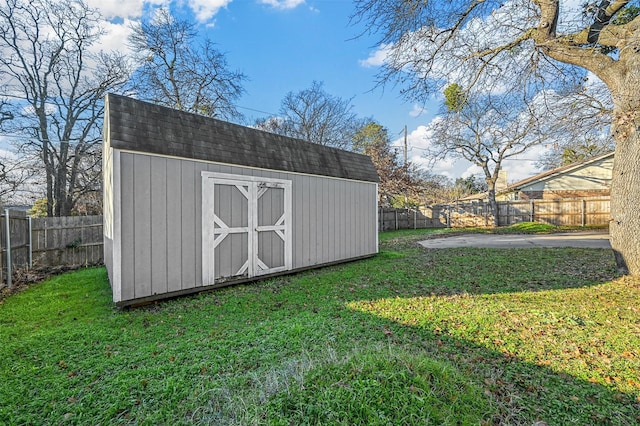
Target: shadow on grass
(413, 269)
(536, 340)
(538, 334)
(519, 392)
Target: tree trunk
(493, 205)
(624, 229)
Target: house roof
(135, 125)
(476, 196)
(541, 177)
(556, 172)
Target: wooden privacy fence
(572, 212)
(48, 242)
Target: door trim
(257, 186)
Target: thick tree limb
(605, 12)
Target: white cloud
(204, 10)
(5, 153)
(417, 145)
(283, 4)
(115, 37)
(524, 165)
(472, 170)
(417, 111)
(128, 9)
(378, 57)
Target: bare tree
(485, 130)
(177, 72)
(400, 184)
(5, 114)
(582, 119)
(13, 176)
(435, 189)
(540, 42)
(315, 116)
(57, 88)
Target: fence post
(407, 212)
(415, 218)
(531, 215)
(584, 212)
(486, 214)
(395, 211)
(8, 240)
(30, 242)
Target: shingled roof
(140, 126)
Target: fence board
(574, 212)
(55, 241)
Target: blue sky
(284, 45)
(286, 50)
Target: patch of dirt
(22, 279)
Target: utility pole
(405, 147)
(406, 199)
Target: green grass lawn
(411, 336)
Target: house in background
(588, 178)
(192, 203)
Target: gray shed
(193, 203)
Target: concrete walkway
(572, 239)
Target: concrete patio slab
(570, 239)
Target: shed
(193, 203)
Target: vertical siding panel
(372, 205)
(353, 241)
(308, 241)
(349, 204)
(116, 248)
(159, 198)
(333, 224)
(127, 226)
(361, 218)
(358, 218)
(226, 169)
(371, 229)
(364, 219)
(298, 221)
(189, 210)
(197, 243)
(174, 226)
(314, 227)
(142, 227)
(326, 223)
(343, 220)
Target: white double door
(246, 225)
